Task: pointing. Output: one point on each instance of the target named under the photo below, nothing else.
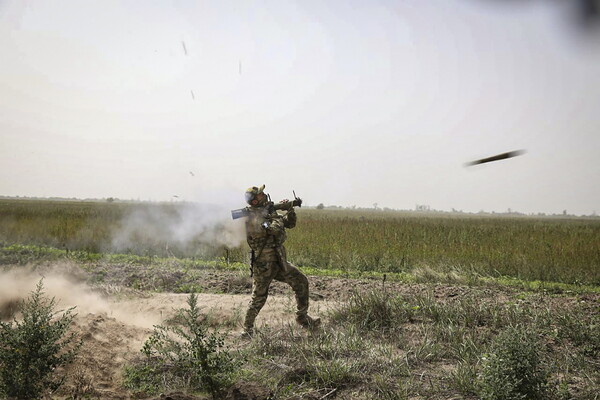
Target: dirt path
(114, 322)
(115, 336)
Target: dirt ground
(115, 336)
(115, 321)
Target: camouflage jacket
(265, 228)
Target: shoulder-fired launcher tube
(287, 206)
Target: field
(547, 249)
(414, 305)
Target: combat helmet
(252, 192)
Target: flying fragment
(503, 156)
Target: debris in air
(503, 156)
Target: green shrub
(34, 347)
(183, 356)
(513, 369)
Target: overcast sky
(345, 102)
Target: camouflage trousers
(264, 273)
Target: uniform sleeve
(289, 220)
(275, 226)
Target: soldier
(265, 232)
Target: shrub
(34, 347)
(513, 369)
(183, 355)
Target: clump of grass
(469, 310)
(464, 377)
(583, 330)
(514, 369)
(375, 311)
(425, 274)
(387, 388)
(332, 359)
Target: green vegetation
(513, 369)
(547, 249)
(427, 346)
(183, 355)
(378, 310)
(35, 347)
(516, 314)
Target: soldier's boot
(249, 324)
(248, 333)
(308, 322)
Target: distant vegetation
(563, 250)
(352, 241)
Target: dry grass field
(531, 248)
(414, 306)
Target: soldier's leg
(263, 275)
(299, 283)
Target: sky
(344, 102)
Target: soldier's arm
(274, 225)
(289, 220)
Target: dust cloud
(65, 284)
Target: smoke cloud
(191, 228)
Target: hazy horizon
(347, 103)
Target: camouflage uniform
(265, 232)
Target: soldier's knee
(295, 273)
(258, 300)
(303, 279)
(300, 280)
(261, 287)
(260, 291)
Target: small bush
(513, 369)
(34, 347)
(183, 356)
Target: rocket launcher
(283, 206)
